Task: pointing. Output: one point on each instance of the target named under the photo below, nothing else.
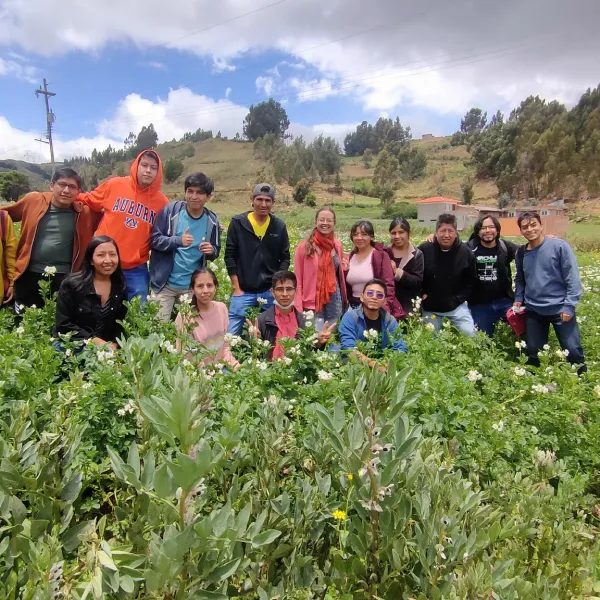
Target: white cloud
(16, 68)
(440, 55)
(181, 111)
(265, 84)
(315, 89)
(154, 64)
(227, 92)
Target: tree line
(542, 149)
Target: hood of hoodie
(133, 169)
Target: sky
(117, 65)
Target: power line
(236, 18)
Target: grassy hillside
(38, 175)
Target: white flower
(20, 330)
(266, 343)
(168, 346)
(68, 352)
(370, 334)
(186, 363)
(562, 353)
(521, 344)
(232, 340)
(287, 360)
(520, 371)
(50, 270)
(309, 315)
(261, 301)
(540, 388)
(430, 327)
(185, 299)
(597, 391)
(499, 426)
(534, 429)
(324, 375)
(121, 412)
(262, 365)
(544, 458)
(546, 347)
(474, 376)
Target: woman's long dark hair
(84, 278)
(367, 227)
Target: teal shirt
(187, 260)
(53, 243)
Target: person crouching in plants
(90, 301)
(282, 319)
(209, 320)
(370, 321)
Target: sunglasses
(374, 294)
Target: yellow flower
(350, 477)
(433, 317)
(339, 515)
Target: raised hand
(206, 248)
(253, 330)
(325, 333)
(186, 238)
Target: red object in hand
(517, 321)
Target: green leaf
(116, 463)
(105, 560)
(70, 492)
(324, 483)
(164, 485)
(127, 584)
(324, 418)
(224, 571)
(149, 469)
(187, 472)
(70, 538)
(220, 518)
(133, 459)
(266, 537)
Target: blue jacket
(547, 278)
(353, 325)
(164, 242)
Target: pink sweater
(306, 269)
(210, 329)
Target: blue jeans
(460, 317)
(487, 315)
(332, 311)
(538, 328)
(239, 305)
(138, 282)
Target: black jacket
(80, 311)
(253, 260)
(449, 277)
(507, 251)
(409, 286)
(268, 328)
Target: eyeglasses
(374, 294)
(284, 290)
(71, 187)
(488, 227)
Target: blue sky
(189, 64)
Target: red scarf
(326, 280)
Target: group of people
(124, 239)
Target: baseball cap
(264, 189)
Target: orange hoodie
(129, 212)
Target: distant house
(430, 209)
(554, 217)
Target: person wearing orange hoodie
(130, 206)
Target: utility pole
(50, 118)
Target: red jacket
(382, 269)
